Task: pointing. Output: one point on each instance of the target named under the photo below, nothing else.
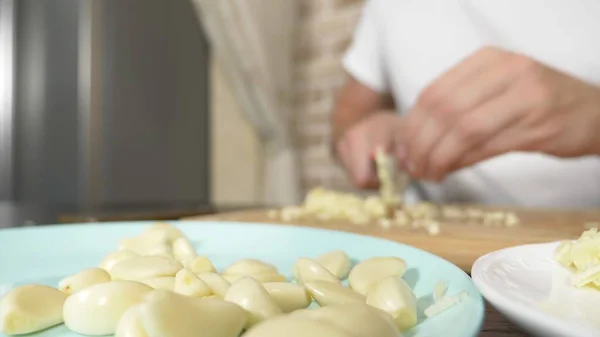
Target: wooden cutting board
(460, 243)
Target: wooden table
(459, 243)
(496, 325)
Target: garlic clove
(115, 257)
(130, 323)
(167, 314)
(145, 267)
(356, 319)
(83, 279)
(337, 262)
(290, 326)
(328, 293)
(308, 270)
(187, 283)
(371, 271)
(183, 249)
(217, 284)
(262, 278)
(96, 310)
(199, 264)
(251, 295)
(288, 296)
(31, 308)
(168, 231)
(394, 296)
(249, 267)
(163, 249)
(162, 283)
(144, 242)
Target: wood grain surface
(459, 243)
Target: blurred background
(158, 108)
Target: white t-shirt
(401, 46)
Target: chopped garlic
(439, 291)
(511, 220)
(583, 257)
(444, 303)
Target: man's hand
(496, 102)
(355, 147)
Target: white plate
(534, 291)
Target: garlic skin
(114, 258)
(96, 310)
(188, 284)
(373, 270)
(328, 293)
(252, 296)
(290, 326)
(167, 314)
(145, 267)
(288, 296)
(30, 308)
(130, 323)
(337, 262)
(356, 319)
(85, 278)
(217, 284)
(308, 270)
(162, 283)
(394, 296)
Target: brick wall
(324, 33)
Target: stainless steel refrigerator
(105, 102)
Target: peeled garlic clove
(163, 283)
(252, 296)
(130, 323)
(356, 319)
(96, 310)
(144, 242)
(309, 270)
(262, 278)
(250, 267)
(113, 258)
(328, 293)
(183, 249)
(163, 249)
(145, 267)
(288, 296)
(83, 279)
(166, 314)
(337, 262)
(373, 270)
(199, 264)
(187, 283)
(217, 284)
(31, 308)
(394, 296)
(290, 326)
(171, 233)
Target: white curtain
(253, 40)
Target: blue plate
(44, 255)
